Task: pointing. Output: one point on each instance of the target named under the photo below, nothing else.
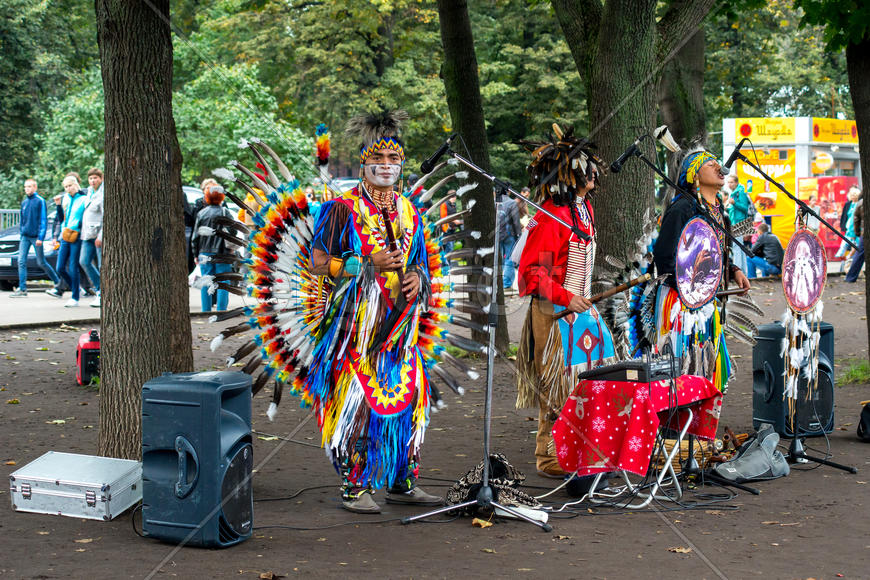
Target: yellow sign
(834, 130)
(769, 200)
(762, 130)
(822, 161)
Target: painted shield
(804, 271)
(698, 264)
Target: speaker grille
(236, 494)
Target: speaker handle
(184, 447)
(769, 381)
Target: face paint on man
(382, 174)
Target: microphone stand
(698, 205)
(486, 498)
(800, 203)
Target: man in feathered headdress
(701, 178)
(368, 373)
(556, 271)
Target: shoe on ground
(54, 293)
(363, 504)
(96, 302)
(414, 497)
(90, 291)
(19, 294)
(71, 303)
(550, 469)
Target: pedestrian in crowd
(739, 206)
(206, 243)
(92, 232)
(858, 228)
(767, 252)
(510, 228)
(847, 225)
(813, 222)
(32, 228)
(449, 208)
(71, 243)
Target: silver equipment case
(80, 486)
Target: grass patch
(853, 371)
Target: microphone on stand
(726, 169)
(429, 164)
(616, 166)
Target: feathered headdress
(378, 131)
(561, 165)
(691, 160)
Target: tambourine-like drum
(804, 271)
(698, 264)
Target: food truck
(808, 156)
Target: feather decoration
(321, 144)
(370, 127)
(663, 136)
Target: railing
(9, 218)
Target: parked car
(9, 241)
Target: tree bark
(462, 85)
(681, 94)
(619, 50)
(857, 65)
(145, 313)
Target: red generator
(88, 357)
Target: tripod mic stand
(486, 498)
(796, 453)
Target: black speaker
(814, 416)
(197, 458)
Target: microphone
(616, 166)
(726, 169)
(429, 164)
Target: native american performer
(350, 308)
(696, 335)
(556, 271)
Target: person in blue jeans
(92, 232)
(71, 240)
(767, 252)
(510, 228)
(32, 231)
(206, 244)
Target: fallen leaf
(714, 512)
(769, 523)
(561, 537)
(56, 422)
(10, 463)
(488, 550)
(679, 549)
(270, 438)
(524, 569)
(13, 402)
(321, 539)
(479, 523)
(84, 541)
(43, 533)
(42, 348)
(81, 550)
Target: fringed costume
(334, 323)
(556, 266)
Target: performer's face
(383, 167)
(709, 174)
(591, 178)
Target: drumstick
(730, 292)
(609, 293)
(391, 238)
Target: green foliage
(219, 108)
(73, 137)
(856, 372)
(845, 21)
(765, 64)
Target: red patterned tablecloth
(612, 425)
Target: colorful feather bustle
(327, 340)
(321, 144)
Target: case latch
(25, 491)
(91, 498)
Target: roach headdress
(378, 131)
(561, 165)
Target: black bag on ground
(864, 424)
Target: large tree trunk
(462, 86)
(681, 95)
(146, 325)
(857, 64)
(619, 50)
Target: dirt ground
(811, 524)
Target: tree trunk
(681, 95)
(145, 322)
(619, 49)
(462, 86)
(857, 65)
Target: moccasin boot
(414, 497)
(363, 503)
